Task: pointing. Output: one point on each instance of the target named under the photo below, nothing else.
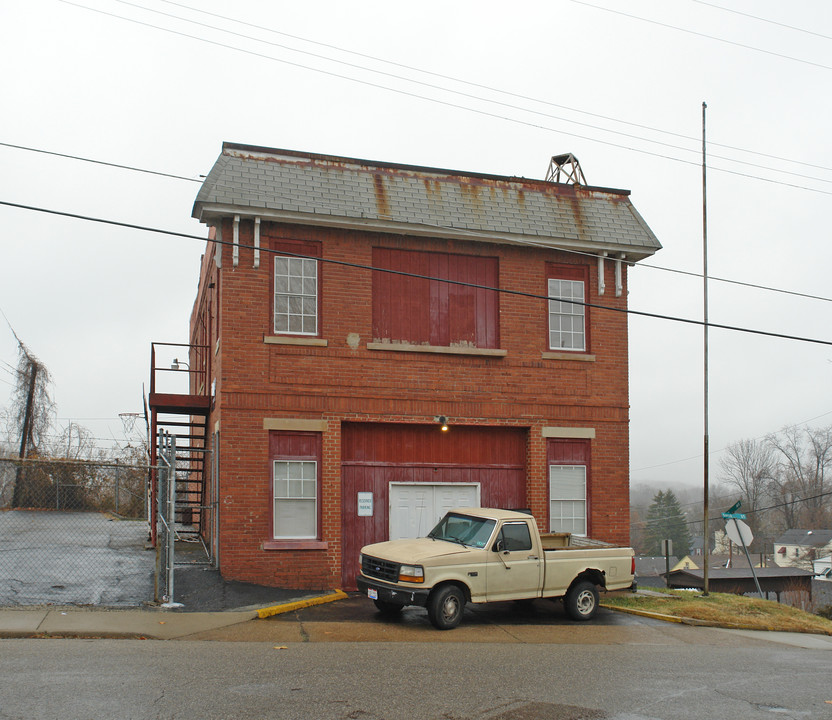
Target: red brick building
(347, 310)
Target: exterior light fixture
(443, 422)
(177, 362)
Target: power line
(457, 106)
(528, 242)
(490, 88)
(11, 372)
(716, 452)
(795, 501)
(704, 35)
(455, 92)
(757, 17)
(755, 286)
(343, 263)
(100, 162)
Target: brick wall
(347, 381)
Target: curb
(665, 618)
(290, 607)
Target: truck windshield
(463, 529)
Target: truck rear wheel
(445, 607)
(581, 602)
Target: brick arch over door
(373, 455)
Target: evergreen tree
(666, 521)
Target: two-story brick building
(377, 344)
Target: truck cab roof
(492, 513)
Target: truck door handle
(532, 557)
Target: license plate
(372, 594)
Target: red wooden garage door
(374, 455)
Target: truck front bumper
(393, 593)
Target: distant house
(650, 570)
(374, 343)
(801, 547)
(686, 563)
(697, 545)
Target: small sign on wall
(365, 504)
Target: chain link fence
(58, 484)
(166, 519)
(74, 532)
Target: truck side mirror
(499, 546)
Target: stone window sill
(295, 545)
(437, 349)
(577, 356)
(294, 340)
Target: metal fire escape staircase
(185, 417)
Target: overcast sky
(500, 88)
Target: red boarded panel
(463, 445)
(294, 445)
(567, 452)
(418, 310)
(374, 455)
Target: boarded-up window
(427, 310)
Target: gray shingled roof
(805, 538)
(289, 186)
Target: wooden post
(20, 476)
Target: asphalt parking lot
(73, 558)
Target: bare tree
(802, 475)
(748, 467)
(30, 414)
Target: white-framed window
(295, 484)
(567, 499)
(295, 296)
(567, 320)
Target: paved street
(641, 670)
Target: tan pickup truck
(482, 555)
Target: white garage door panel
(410, 511)
(447, 497)
(415, 508)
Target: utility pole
(706, 506)
(27, 428)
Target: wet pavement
(80, 558)
(91, 559)
(202, 589)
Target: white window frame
(567, 320)
(296, 490)
(558, 499)
(295, 296)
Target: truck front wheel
(581, 601)
(445, 607)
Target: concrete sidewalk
(155, 623)
(135, 624)
(354, 620)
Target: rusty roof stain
(250, 179)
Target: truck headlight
(411, 573)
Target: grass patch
(723, 610)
